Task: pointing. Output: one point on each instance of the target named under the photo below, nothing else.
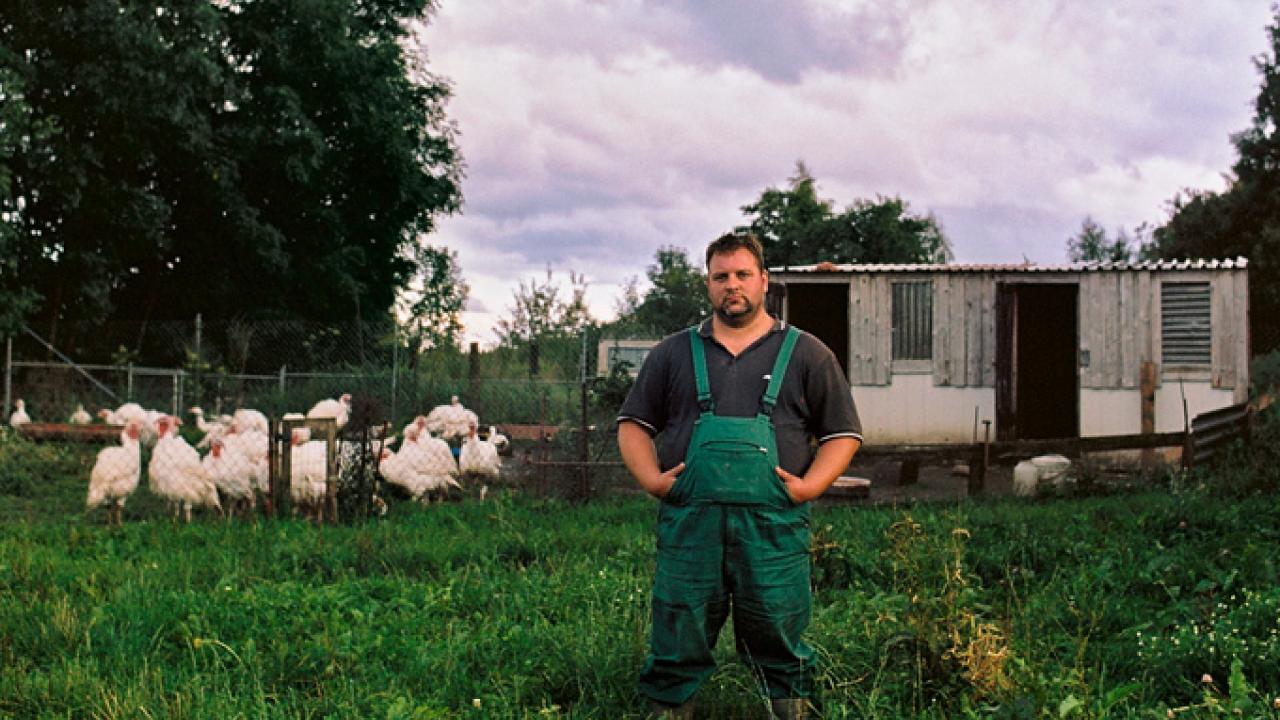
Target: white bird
(419, 423)
(249, 419)
(80, 416)
(176, 473)
(232, 473)
(133, 411)
(452, 420)
(19, 416)
(115, 474)
(339, 410)
(213, 430)
(309, 473)
(398, 469)
(253, 444)
(479, 457)
(499, 440)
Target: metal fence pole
(128, 387)
(584, 452)
(8, 373)
(282, 381)
(199, 374)
(395, 371)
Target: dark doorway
(823, 311)
(1037, 380)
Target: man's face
(736, 287)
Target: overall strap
(705, 401)
(770, 397)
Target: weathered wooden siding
(1115, 327)
(870, 334)
(964, 330)
(1230, 340)
(1119, 324)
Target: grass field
(1099, 607)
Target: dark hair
(734, 241)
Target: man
(737, 401)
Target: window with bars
(1185, 335)
(913, 320)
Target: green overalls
(729, 535)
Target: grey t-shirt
(813, 402)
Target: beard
(739, 316)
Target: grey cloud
(781, 40)
(1003, 233)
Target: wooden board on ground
(528, 432)
(850, 487)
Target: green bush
(26, 466)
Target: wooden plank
(988, 290)
(974, 318)
(1107, 304)
(1241, 314)
(941, 334)
(1157, 337)
(1143, 327)
(860, 319)
(882, 330)
(1147, 391)
(1074, 447)
(1091, 335)
(1130, 365)
(532, 431)
(70, 433)
(1222, 328)
(956, 327)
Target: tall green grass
(1105, 607)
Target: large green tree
(797, 227)
(1244, 219)
(676, 298)
(259, 158)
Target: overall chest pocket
(731, 463)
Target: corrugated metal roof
(1161, 265)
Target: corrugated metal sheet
(1160, 265)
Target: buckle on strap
(766, 408)
(706, 404)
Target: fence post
(8, 372)
(395, 371)
(584, 450)
(128, 386)
(199, 374)
(282, 381)
(177, 394)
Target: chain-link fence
(553, 401)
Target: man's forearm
(640, 456)
(833, 457)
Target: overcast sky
(596, 131)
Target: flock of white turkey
(234, 471)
